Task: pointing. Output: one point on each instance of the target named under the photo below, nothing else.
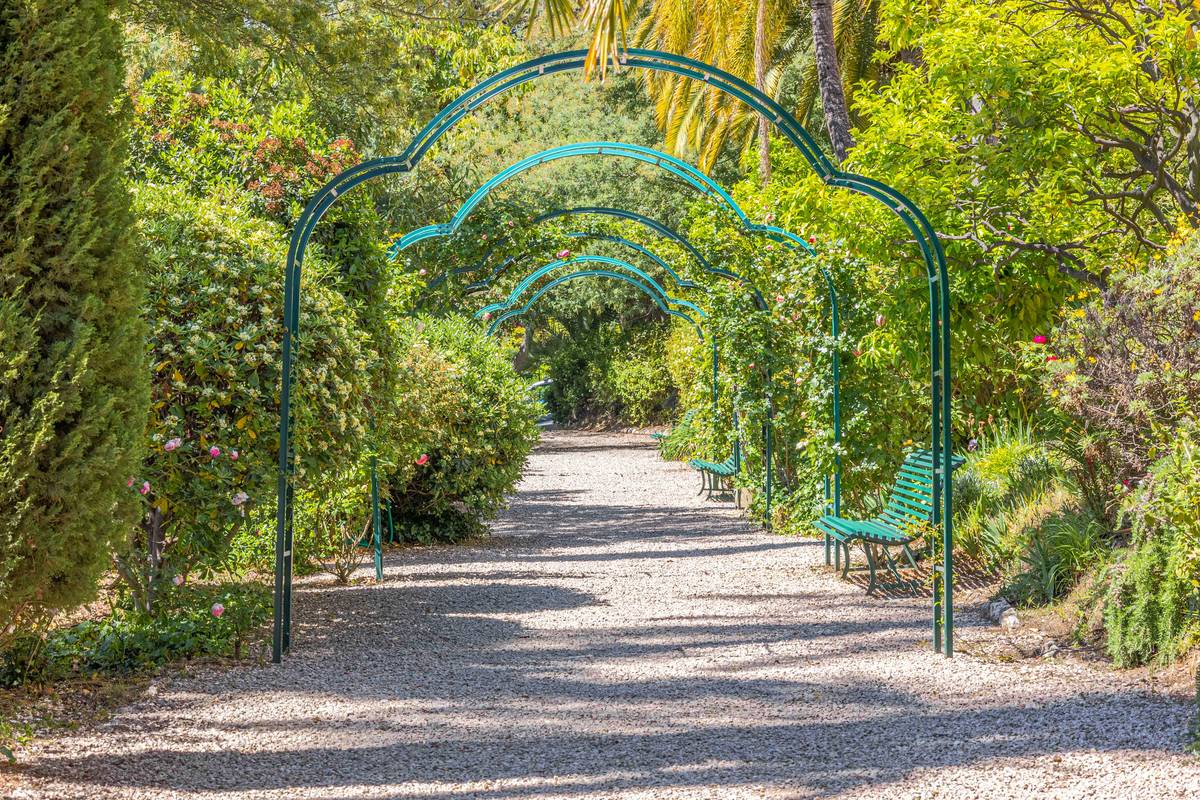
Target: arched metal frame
(788, 127)
(707, 187)
(647, 285)
(654, 290)
(682, 283)
(616, 213)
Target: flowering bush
(1130, 368)
(474, 427)
(215, 294)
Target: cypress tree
(73, 384)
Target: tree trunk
(760, 83)
(829, 79)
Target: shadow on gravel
(810, 757)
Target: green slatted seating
(687, 418)
(712, 473)
(910, 502)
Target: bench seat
(909, 505)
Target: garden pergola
(791, 130)
(709, 189)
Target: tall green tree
(73, 388)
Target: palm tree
(829, 78)
(753, 39)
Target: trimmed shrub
(72, 375)
(484, 425)
(215, 292)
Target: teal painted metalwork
(682, 283)
(895, 201)
(616, 213)
(650, 288)
(694, 177)
(538, 273)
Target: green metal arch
(529, 280)
(767, 108)
(680, 282)
(653, 291)
(616, 213)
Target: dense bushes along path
(618, 637)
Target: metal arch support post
(896, 202)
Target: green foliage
(610, 373)
(339, 521)
(129, 640)
(1153, 606)
(1128, 367)
(483, 428)
(215, 289)
(72, 376)
(636, 385)
(206, 135)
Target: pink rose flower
(564, 253)
(1039, 339)
(423, 459)
(129, 483)
(214, 451)
(423, 271)
(217, 610)
(172, 444)
(177, 580)
(880, 320)
(779, 298)
(145, 487)
(239, 498)
(487, 316)
(233, 455)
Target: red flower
(1052, 357)
(423, 460)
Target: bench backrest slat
(912, 494)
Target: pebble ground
(619, 637)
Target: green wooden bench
(910, 503)
(658, 436)
(713, 472)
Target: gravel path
(620, 638)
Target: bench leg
(912, 560)
(869, 550)
(846, 559)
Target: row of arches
(785, 125)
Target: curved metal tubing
(907, 211)
(694, 177)
(617, 213)
(653, 291)
(681, 283)
(532, 278)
